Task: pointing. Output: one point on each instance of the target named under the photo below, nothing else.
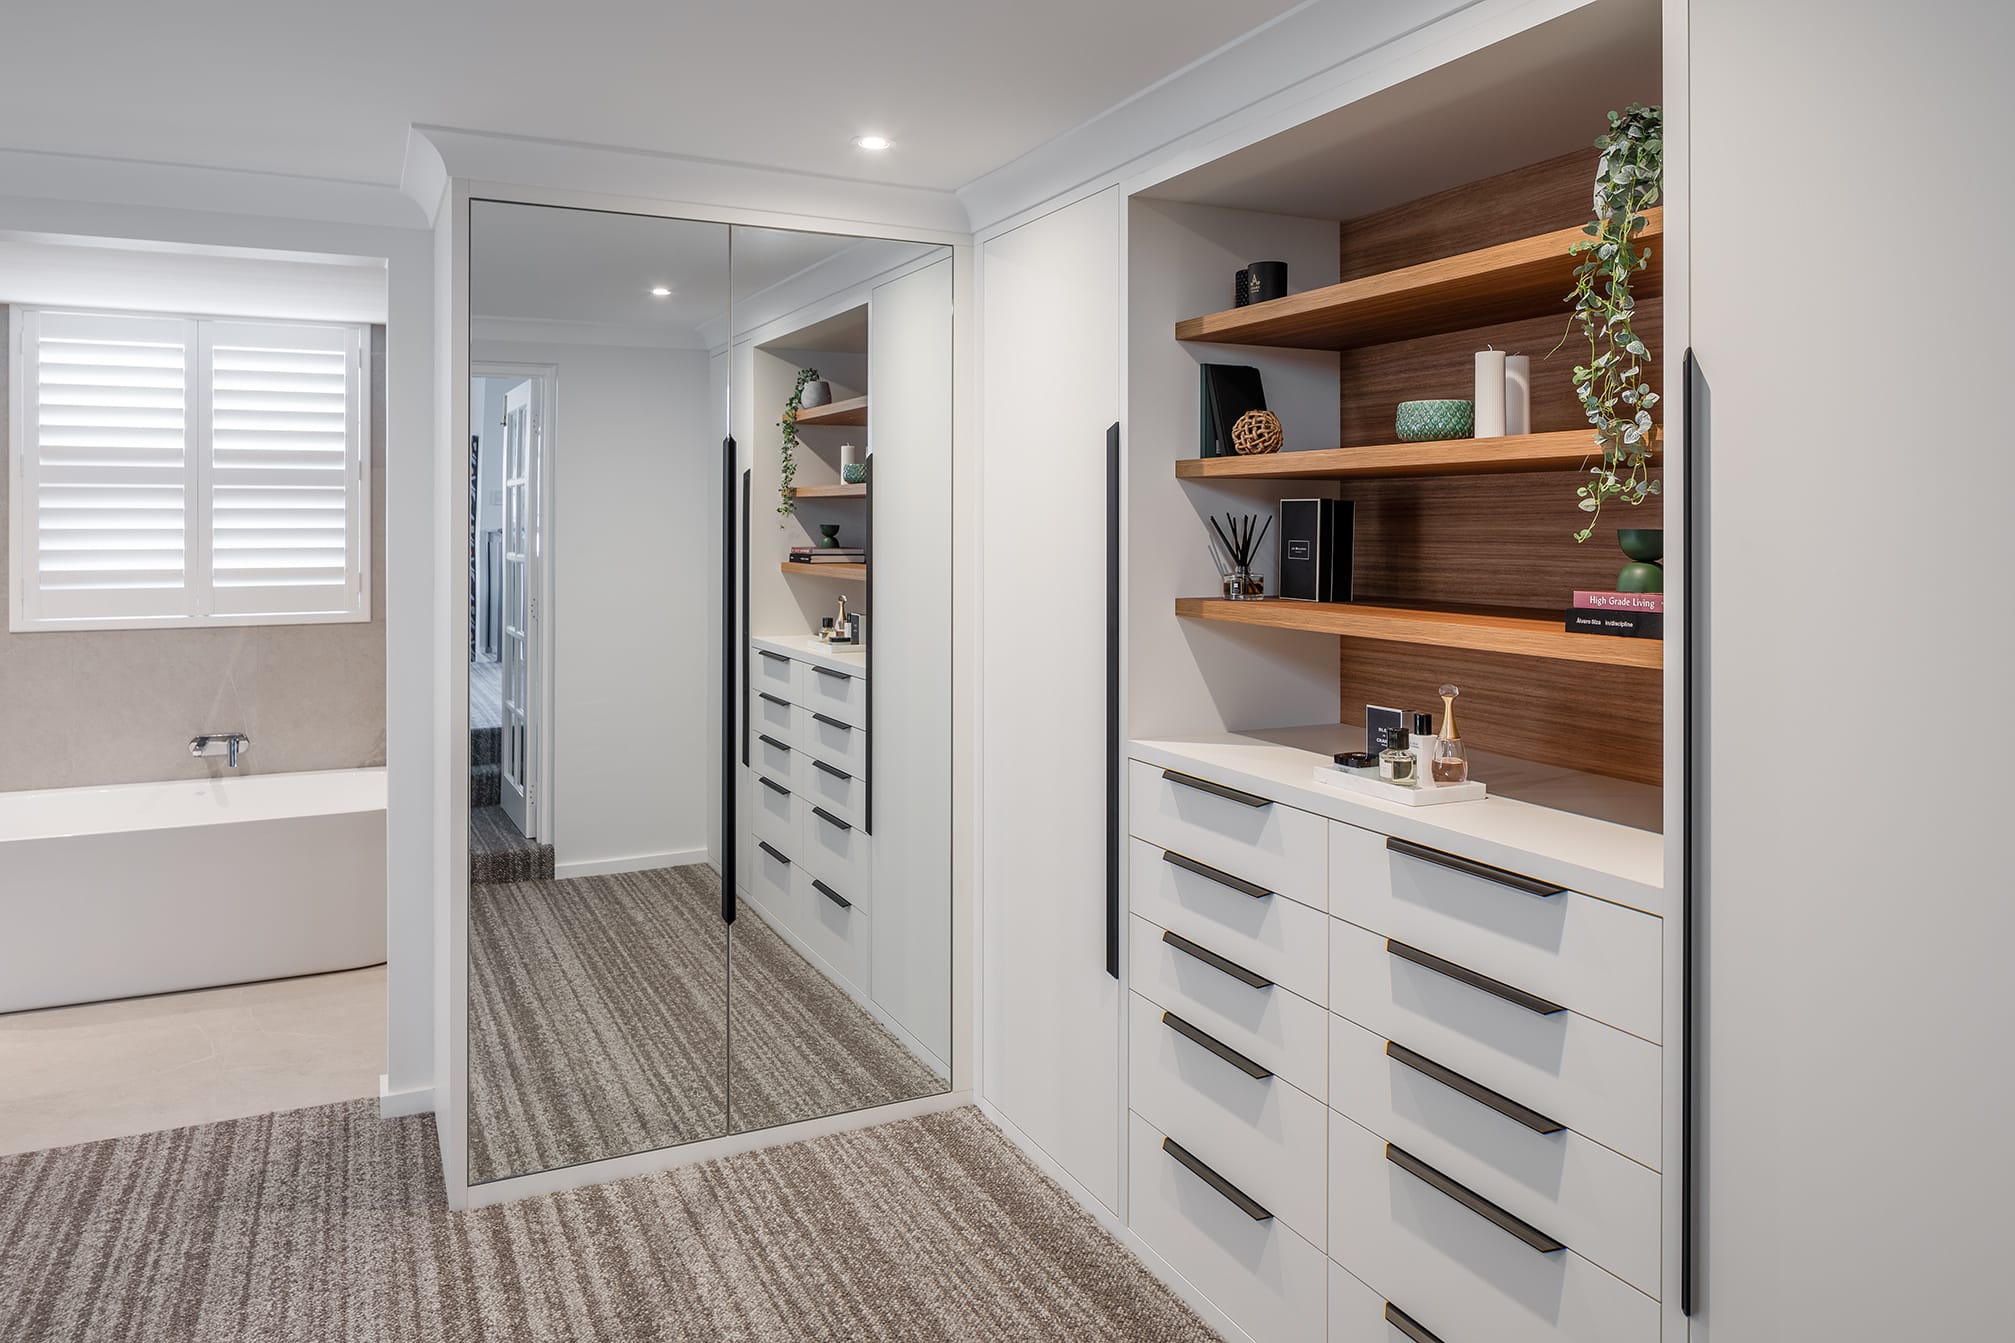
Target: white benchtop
(810, 648)
(1587, 833)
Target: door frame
(545, 401)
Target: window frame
(23, 614)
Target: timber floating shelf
(1520, 635)
(829, 491)
(1563, 451)
(1526, 278)
(853, 410)
(840, 571)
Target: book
(1229, 391)
(1651, 602)
(798, 551)
(1617, 624)
(828, 557)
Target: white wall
(1858, 917)
(635, 439)
(409, 625)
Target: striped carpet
(326, 1226)
(599, 1024)
(499, 851)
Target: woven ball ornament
(1257, 432)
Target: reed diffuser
(1239, 535)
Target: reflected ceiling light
(874, 142)
(659, 291)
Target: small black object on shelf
(1265, 280)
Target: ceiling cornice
(181, 186)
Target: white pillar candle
(850, 455)
(1490, 394)
(1517, 394)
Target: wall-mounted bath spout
(233, 744)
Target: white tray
(1344, 781)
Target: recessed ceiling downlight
(873, 142)
(659, 291)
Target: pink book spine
(1651, 602)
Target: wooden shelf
(1523, 635)
(830, 570)
(1526, 278)
(1564, 451)
(829, 491)
(853, 411)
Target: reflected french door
(521, 458)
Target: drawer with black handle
(1231, 829)
(1282, 1031)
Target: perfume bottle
(1396, 763)
(1450, 759)
(1423, 749)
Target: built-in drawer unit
(1283, 940)
(773, 812)
(1600, 959)
(833, 740)
(1599, 1081)
(826, 690)
(1280, 1030)
(1260, 841)
(835, 850)
(1424, 1240)
(831, 925)
(771, 755)
(1265, 1136)
(771, 712)
(1603, 1204)
(839, 790)
(1250, 1264)
(773, 671)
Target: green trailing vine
(787, 486)
(1615, 392)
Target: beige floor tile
(104, 1070)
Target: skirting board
(641, 862)
(411, 1101)
(1110, 1220)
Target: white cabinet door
(1049, 392)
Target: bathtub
(154, 887)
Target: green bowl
(1642, 543)
(1432, 421)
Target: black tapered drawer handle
(833, 770)
(1215, 961)
(1475, 1202)
(1216, 789)
(773, 785)
(764, 846)
(828, 671)
(1469, 867)
(774, 657)
(831, 894)
(833, 722)
(774, 699)
(1409, 1326)
(1215, 1046)
(1238, 1197)
(768, 740)
(829, 818)
(1462, 974)
(1476, 1091)
(1209, 873)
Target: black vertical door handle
(731, 691)
(1694, 397)
(1112, 706)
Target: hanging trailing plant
(788, 475)
(1615, 391)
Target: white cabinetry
(1476, 1048)
(1050, 1013)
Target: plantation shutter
(185, 470)
(103, 514)
(285, 468)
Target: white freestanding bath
(154, 887)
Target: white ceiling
(329, 92)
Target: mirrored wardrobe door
(840, 993)
(598, 951)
